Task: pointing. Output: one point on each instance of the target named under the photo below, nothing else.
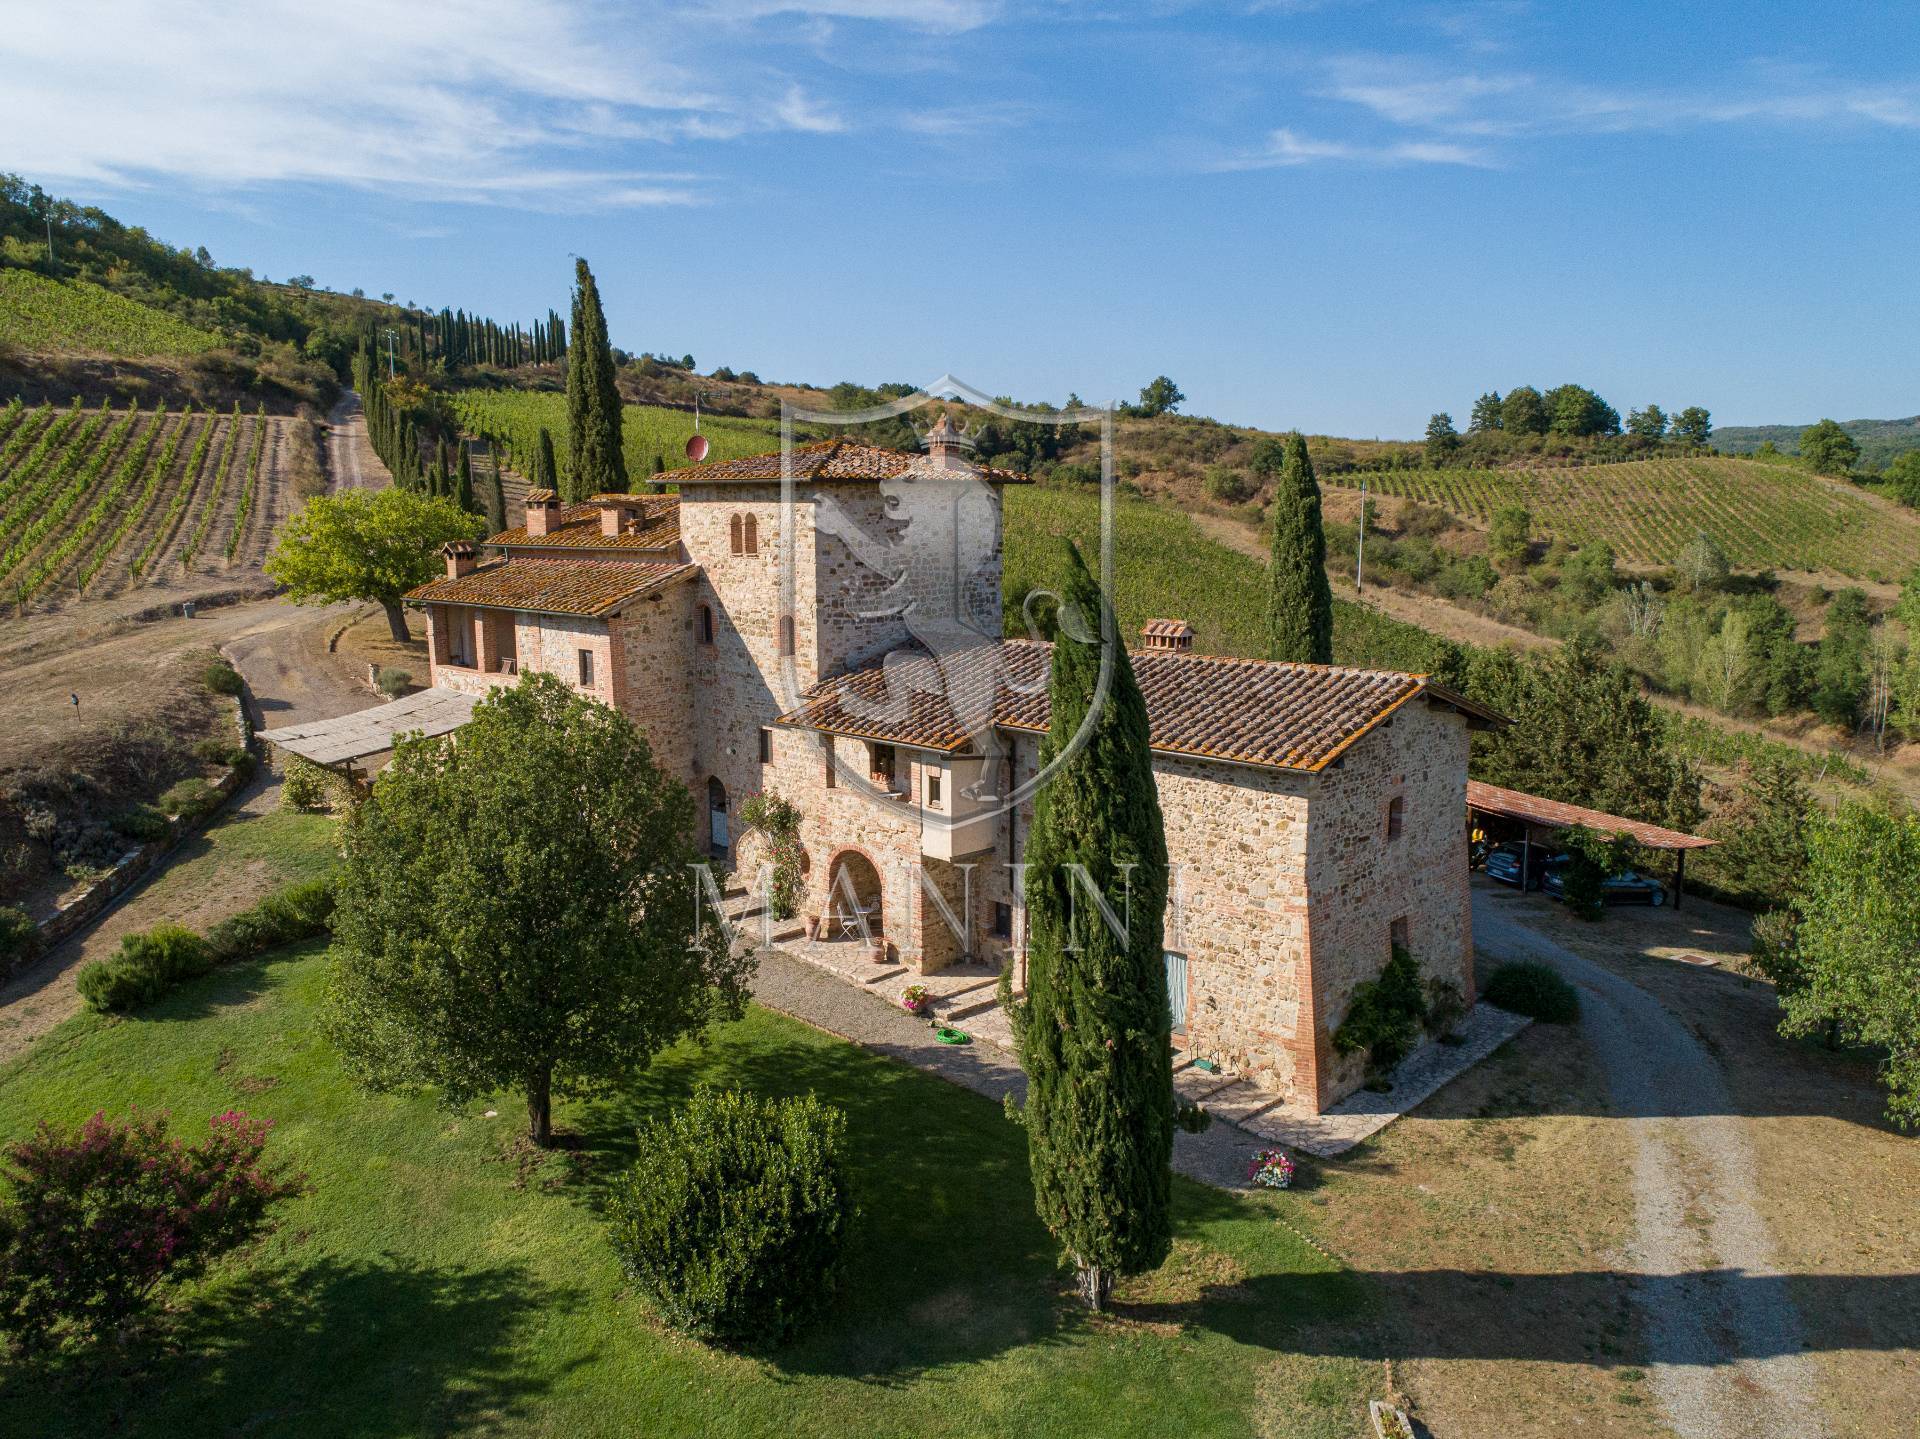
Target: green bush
(299, 911)
(190, 798)
(304, 785)
(222, 678)
(19, 938)
(734, 1220)
(1533, 990)
(142, 822)
(393, 681)
(148, 964)
(1385, 1015)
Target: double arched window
(743, 534)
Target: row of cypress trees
(458, 339)
(395, 435)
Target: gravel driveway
(1727, 1358)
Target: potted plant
(915, 1000)
(1271, 1169)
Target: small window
(1397, 935)
(766, 746)
(786, 634)
(586, 669)
(750, 541)
(882, 765)
(1396, 816)
(933, 787)
(735, 540)
(706, 624)
(832, 776)
(1003, 921)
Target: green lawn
(438, 1280)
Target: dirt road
(1726, 1347)
(351, 461)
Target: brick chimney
(461, 557)
(1167, 636)
(620, 514)
(543, 513)
(945, 444)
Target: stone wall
(653, 643)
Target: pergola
(1534, 813)
(340, 741)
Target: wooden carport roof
(1552, 814)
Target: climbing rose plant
(98, 1217)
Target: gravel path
(1727, 1359)
(792, 986)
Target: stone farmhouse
(1315, 815)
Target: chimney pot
(543, 513)
(1167, 636)
(461, 558)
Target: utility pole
(1360, 549)
(49, 240)
(389, 352)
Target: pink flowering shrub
(99, 1216)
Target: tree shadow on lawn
(321, 1348)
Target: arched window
(735, 541)
(706, 624)
(751, 544)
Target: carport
(337, 743)
(1548, 816)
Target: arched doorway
(719, 828)
(853, 897)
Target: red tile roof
(555, 587)
(822, 461)
(579, 529)
(1552, 814)
(1284, 716)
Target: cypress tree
(496, 492)
(463, 481)
(656, 484)
(595, 464)
(1094, 1030)
(437, 477)
(543, 466)
(1299, 599)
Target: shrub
(190, 798)
(393, 681)
(147, 965)
(142, 822)
(222, 678)
(304, 785)
(1227, 484)
(300, 911)
(19, 938)
(1385, 1014)
(734, 1219)
(1533, 990)
(100, 1216)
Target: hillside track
(351, 461)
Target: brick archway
(853, 869)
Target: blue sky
(1340, 216)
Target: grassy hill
(1765, 516)
(1879, 440)
(38, 314)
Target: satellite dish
(697, 448)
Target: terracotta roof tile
(821, 461)
(1285, 716)
(579, 529)
(554, 587)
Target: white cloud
(1289, 147)
(509, 101)
(950, 16)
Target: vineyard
(96, 502)
(39, 314)
(1764, 516)
(649, 433)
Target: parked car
(1503, 864)
(1626, 887)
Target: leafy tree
(1592, 858)
(1587, 575)
(1583, 733)
(1902, 477)
(595, 463)
(1269, 456)
(367, 545)
(1510, 536)
(1299, 599)
(1576, 410)
(1840, 671)
(1524, 411)
(1093, 1029)
(1692, 425)
(1828, 448)
(1648, 424)
(1856, 944)
(1160, 396)
(1486, 414)
(1703, 566)
(545, 476)
(1442, 439)
(518, 910)
(1761, 827)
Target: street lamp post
(390, 336)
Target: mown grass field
(648, 433)
(93, 501)
(1165, 566)
(1765, 516)
(39, 314)
(439, 1279)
